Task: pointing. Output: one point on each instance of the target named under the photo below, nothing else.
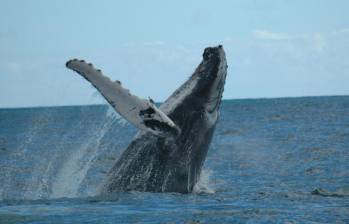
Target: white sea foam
(203, 185)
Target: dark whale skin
(173, 163)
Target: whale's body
(168, 153)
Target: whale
(168, 152)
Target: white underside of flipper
(140, 112)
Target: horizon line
(102, 104)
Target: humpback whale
(168, 152)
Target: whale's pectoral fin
(140, 112)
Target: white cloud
(154, 44)
(265, 34)
(227, 38)
(318, 41)
(317, 36)
(14, 67)
(342, 31)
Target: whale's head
(210, 76)
(203, 91)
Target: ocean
(283, 160)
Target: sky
(274, 48)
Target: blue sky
(274, 48)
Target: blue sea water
(271, 161)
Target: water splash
(74, 170)
(203, 186)
(51, 160)
(111, 114)
(20, 153)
